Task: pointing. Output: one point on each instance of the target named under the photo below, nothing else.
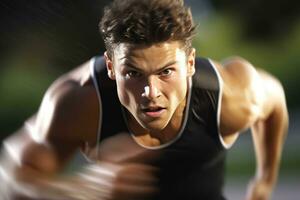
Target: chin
(154, 126)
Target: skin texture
(167, 79)
(33, 157)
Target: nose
(151, 90)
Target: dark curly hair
(146, 22)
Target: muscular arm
(268, 136)
(33, 157)
(29, 169)
(68, 120)
(254, 99)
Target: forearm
(92, 182)
(269, 136)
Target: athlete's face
(152, 81)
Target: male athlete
(153, 120)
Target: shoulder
(236, 70)
(69, 109)
(65, 121)
(243, 94)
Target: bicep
(48, 140)
(254, 91)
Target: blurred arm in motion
(32, 159)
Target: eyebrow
(130, 65)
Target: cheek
(127, 92)
(181, 90)
(177, 89)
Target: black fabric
(112, 120)
(193, 166)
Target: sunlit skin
(152, 84)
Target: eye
(166, 72)
(133, 74)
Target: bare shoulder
(236, 71)
(69, 109)
(249, 94)
(67, 117)
(68, 113)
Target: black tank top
(192, 166)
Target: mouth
(153, 111)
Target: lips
(153, 111)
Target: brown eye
(133, 74)
(166, 72)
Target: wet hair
(146, 22)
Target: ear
(191, 62)
(109, 67)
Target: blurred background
(42, 39)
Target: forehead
(149, 54)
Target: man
(154, 121)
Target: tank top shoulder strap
(111, 118)
(208, 84)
